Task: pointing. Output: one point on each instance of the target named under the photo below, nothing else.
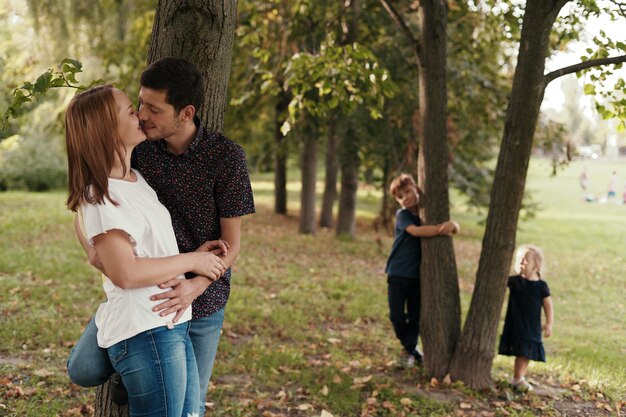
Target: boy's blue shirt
(406, 253)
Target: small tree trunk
(349, 166)
(330, 187)
(280, 156)
(105, 407)
(441, 311)
(309, 179)
(202, 32)
(479, 334)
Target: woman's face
(128, 126)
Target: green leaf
(43, 82)
(590, 89)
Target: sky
(554, 98)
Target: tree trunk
(479, 334)
(202, 32)
(309, 179)
(330, 187)
(441, 311)
(105, 407)
(349, 165)
(280, 155)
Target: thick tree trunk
(441, 311)
(479, 334)
(330, 180)
(309, 179)
(105, 407)
(202, 32)
(349, 165)
(280, 156)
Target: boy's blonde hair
(402, 181)
(537, 253)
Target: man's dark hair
(179, 78)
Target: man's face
(158, 118)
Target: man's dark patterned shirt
(208, 181)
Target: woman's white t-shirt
(128, 312)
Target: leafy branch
(63, 78)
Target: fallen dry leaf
(362, 380)
(406, 401)
(434, 383)
(465, 406)
(326, 414)
(447, 380)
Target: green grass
(306, 328)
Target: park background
(307, 328)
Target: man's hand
(181, 294)
(217, 247)
(94, 259)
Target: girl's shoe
(522, 385)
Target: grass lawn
(306, 328)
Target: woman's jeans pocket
(117, 352)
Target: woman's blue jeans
(158, 368)
(88, 365)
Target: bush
(32, 164)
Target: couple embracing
(161, 219)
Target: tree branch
(581, 66)
(621, 6)
(397, 18)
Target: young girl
(133, 237)
(521, 336)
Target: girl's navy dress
(522, 326)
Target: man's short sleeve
(233, 190)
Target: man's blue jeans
(158, 368)
(89, 365)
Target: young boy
(403, 266)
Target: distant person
(521, 336)
(132, 233)
(612, 186)
(624, 195)
(584, 180)
(403, 266)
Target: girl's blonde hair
(537, 253)
(92, 142)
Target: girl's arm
(129, 271)
(547, 307)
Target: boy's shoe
(405, 360)
(522, 385)
(417, 356)
(119, 395)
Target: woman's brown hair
(92, 142)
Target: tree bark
(280, 156)
(440, 310)
(309, 179)
(202, 32)
(105, 407)
(330, 180)
(349, 166)
(479, 334)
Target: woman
(134, 239)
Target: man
(202, 179)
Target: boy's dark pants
(404, 309)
